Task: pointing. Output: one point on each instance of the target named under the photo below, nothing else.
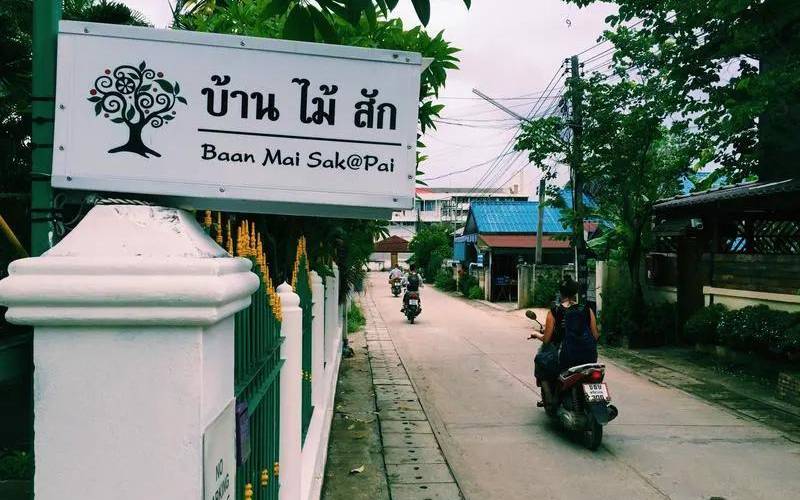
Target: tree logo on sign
(136, 97)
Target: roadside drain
(415, 466)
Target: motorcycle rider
(412, 281)
(555, 330)
(395, 274)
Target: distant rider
(413, 282)
(395, 274)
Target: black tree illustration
(137, 97)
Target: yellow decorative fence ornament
(301, 254)
(230, 239)
(219, 228)
(265, 477)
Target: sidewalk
(713, 380)
(355, 439)
(395, 442)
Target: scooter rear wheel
(593, 435)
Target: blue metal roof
(514, 217)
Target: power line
(471, 167)
(470, 125)
(523, 97)
(485, 179)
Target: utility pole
(576, 160)
(540, 222)
(46, 14)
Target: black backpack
(413, 282)
(579, 345)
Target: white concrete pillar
(133, 354)
(291, 445)
(317, 341)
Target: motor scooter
(397, 287)
(578, 398)
(412, 307)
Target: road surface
(472, 369)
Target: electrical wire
(490, 176)
(471, 167)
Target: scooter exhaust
(612, 412)
(571, 420)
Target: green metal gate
(301, 282)
(257, 365)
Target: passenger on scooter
(412, 282)
(578, 318)
(395, 274)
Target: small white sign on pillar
(219, 456)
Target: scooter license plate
(596, 392)
(413, 302)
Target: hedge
(475, 293)
(445, 281)
(750, 329)
(467, 283)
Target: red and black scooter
(412, 307)
(579, 400)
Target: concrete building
(449, 205)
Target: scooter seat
(579, 368)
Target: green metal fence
(301, 281)
(257, 367)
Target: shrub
(546, 288)
(467, 283)
(445, 281)
(790, 340)
(615, 316)
(355, 319)
(475, 293)
(434, 266)
(754, 328)
(701, 328)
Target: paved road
(472, 366)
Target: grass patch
(355, 318)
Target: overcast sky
(510, 48)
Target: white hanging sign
(235, 123)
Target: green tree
(305, 17)
(347, 242)
(730, 67)
(630, 158)
(15, 78)
(431, 246)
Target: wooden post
(690, 279)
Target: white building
(448, 205)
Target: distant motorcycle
(581, 402)
(412, 307)
(397, 287)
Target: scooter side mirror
(530, 314)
